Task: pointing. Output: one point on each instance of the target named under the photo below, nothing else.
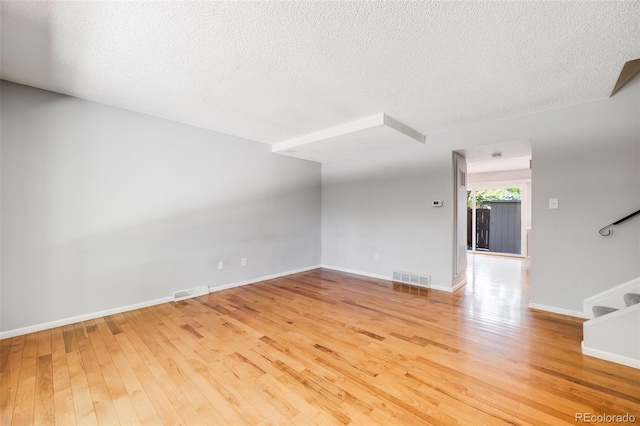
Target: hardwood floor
(320, 347)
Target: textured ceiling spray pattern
(274, 71)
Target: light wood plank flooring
(320, 347)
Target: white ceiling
(497, 157)
(499, 165)
(273, 71)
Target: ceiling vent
(412, 278)
(190, 293)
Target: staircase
(613, 332)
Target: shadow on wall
(276, 232)
(384, 209)
(44, 71)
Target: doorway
(494, 207)
(496, 218)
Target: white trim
(380, 119)
(403, 128)
(555, 310)
(389, 278)
(353, 271)
(119, 310)
(352, 126)
(458, 286)
(620, 312)
(442, 288)
(607, 356)
(525, 211)
(264, 278)
(495, 253)
(630, 285)
(449, 289)
(615, 292)
(80, 318)
(498, 184)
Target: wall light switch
(553, 203)
(244, 261)
(376, 257)
(221, 265)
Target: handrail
(616, 223)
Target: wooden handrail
(624, 219)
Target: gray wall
(103, 208)
(592, 165)
(588, 156)
(381, 204)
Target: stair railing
(624, 219)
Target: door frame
(460, 182)
(525, 213)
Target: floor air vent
(189, 293)
(412, 278)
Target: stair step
(631, 298)
(598, 311)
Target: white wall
(588, 156)
(381, 203)
(103, 208)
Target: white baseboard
(265, 278)
(446, 289)
(355, 272)
(596, 353)
(556, 310)
(451, 289)
(80, 318)
(86, 317)
(459, 285)
(389, 278)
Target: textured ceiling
(504, 150)
(273, 71)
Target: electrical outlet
(244, 261)
(376, 257)
(220, 265)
